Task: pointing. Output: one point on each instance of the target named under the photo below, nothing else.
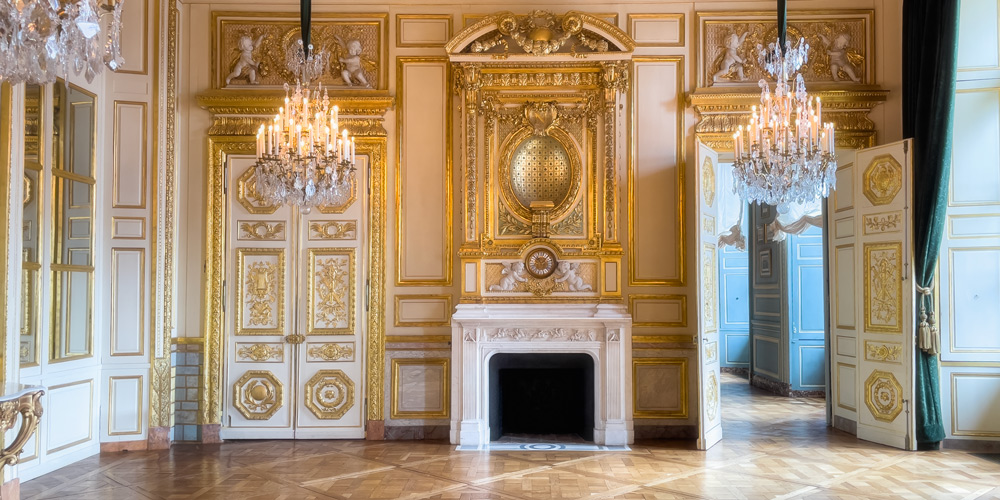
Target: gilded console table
(26, 401)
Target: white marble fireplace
(479, 331)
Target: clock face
(540, 263)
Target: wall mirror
(30, 245)
(74, 123)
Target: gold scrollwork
(882, 223)
(712, 394)
(883, 288)
(708, 181)
(260, 352)
(331, 352)
(881, 351)
(883, 396)
(331, 292)
(257, 395)
(708, 287)
(260, 292)
(571, 225)
(333, 230)
(261, 230)
(329, 394)
(510, 224)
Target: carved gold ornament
(882, 180)
(329, 394)
(712, 352)
(881, 351)
(883, 287)
(261, 292)
(540, 263)
(260, 352)
(712, 395)
(28, 407)
(708, 181)
(883, 223)
(883, 396)
(257, 395)
(332, 292)
(249, 198)
(28, 190)
(331, 352)
(262, 230)
(333, 230)
(838, 48)
(708, 287)
(355, 48)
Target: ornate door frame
(235, 120)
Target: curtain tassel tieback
(928, 339)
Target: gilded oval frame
(510, 144)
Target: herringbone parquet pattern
(773, 448)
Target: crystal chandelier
(785, 154)
(41, 40)
(304, 158)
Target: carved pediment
(541, 33)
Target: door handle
(295, 339)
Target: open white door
(709, 409)
(883, 197)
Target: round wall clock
(540, 263)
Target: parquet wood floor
(773, 447)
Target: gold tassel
(928, 337)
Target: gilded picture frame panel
(329, 281)
(883, 287)
(278, 282)
(396, 410)
(682, 367)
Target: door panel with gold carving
(885, 345)
(294, 289)
(709, 411)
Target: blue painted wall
(734, 306)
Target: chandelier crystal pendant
(785, 154)
(41, 40)
(304, 158)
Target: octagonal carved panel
(246, 193)
(329, 394)
(882, 180)
(883, 396)
(257, 395)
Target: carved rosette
(883, 396)
(329, 394)
(257, 395)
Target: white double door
(294, 313)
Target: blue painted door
(734, 317)
(807, 322)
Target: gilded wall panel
(841, 46)
(249, 49)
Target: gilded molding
(721, 113)
(329, 394)
(883, 396)
(506, 30)
(260, 352)
(331, 352)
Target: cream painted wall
(195, 68)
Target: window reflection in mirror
(30, 245)
(73, 158)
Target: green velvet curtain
(930, 54)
